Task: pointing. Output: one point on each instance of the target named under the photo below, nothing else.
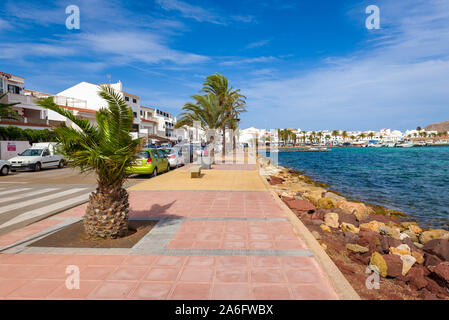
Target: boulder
(415, 229)
(418, 245)
(407, 262)
(349, 227)
(426, 236)
(360, 210)
(301, 205)
(381, 218)
(431, 260)
(356, 248)
(368, 239)
(442, 272)
(416, 277)
(350, 237)
(406, 224)
(387, 242)
(413, 237)
(317, 222)
(434, 287)
(394, 265)
(400, 250)
(324, 227)
(331, 219)
(390, 231)
(273, 180)
(438, 247)
(317, 215)
(334, 198)
(347, 218)
(313, 196)
(372, 226)
(403, 236)
(378, 261)
(325, 203)
(418, 256)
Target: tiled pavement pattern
(209, 244)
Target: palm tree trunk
(224, 143)
(107, 212)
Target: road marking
(38, 200)
(27, 194)
(43, 210)
(12, 191)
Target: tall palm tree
(232, 101)
(6, 112)
(106, 149)
(208, 111)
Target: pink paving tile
(209, 236)
(299, 262)
(267, 276)
(265, 262)
(107, 260)
(234, 245)
(200, 261)
(260, 236)
(232, 261)
(261, 245)
(113, 290)
(18, 258)
(303, 276)
(180, 244)
(7, 286)
(85, 288)
(311, 292)
(271, 292)
(96, 272)
(193, 274)
(289, 245)
(191, 291)
(139, 260)
(162, 274)
(231, 292)
(152, 291)
(9, 271)
(206, 245)
(180, 235)
(55, 272)
(77, 259)
(235, 236)
(285, 236)
(36, 289)
(170, 261)
(128, 273)
(232, 275)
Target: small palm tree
(106, 149)
(6, 112)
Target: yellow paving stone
(238, 180)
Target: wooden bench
(195, 171)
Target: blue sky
(302, 64)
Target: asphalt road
(27, 196)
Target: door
(46, 159)
(156, 160)
(163, 160)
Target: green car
(149, 161)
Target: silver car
(4, 167)
(175, 157)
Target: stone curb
(341, 285)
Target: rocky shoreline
(362, 239)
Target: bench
(195, 172)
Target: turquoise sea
(412, 180)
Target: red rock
(427, 295)
(394, 264)
(368, 239)
(431, 260)
(317, 222)
(317, 216)
(416, 277)
(438, 247)
(387, 242)
(301, 205)
(350, 237)
(433, 287)
(275, 180)
(380, 218)
(348, 218)
(442, 271)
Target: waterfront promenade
(222, 236)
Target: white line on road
(27, 194)
(38, 200)
(12, 191)
(43, 210)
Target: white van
(40, 155)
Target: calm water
(412, 180)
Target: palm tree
(5, 110)
(335, 133)
(208, 111)
(106, 149)
(344, 135)
(231, 100)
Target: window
(46, 153)
(141, 112)
(135, 114)
(1, 85)
(126, 98)
(143, 155)
(134, 100)
(13, 89)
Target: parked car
(174, 156)
(149, 161)
(4, 167)
(40, 155)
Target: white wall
(19, 147)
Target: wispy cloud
(257, 44)
(240, 61)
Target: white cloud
(257, 44)
(241, 61)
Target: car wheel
(61, 164)
(37, 167)
(168, 167)
(4, 171)
(154, 174)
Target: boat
(389, 144)
(405, 145)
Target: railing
(26, 121)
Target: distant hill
(440, 126)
